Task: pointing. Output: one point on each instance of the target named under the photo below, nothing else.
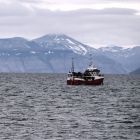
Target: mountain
(127, 57)
(17, 55)
(53, 53)
(137, 71)
(68, 47)
(62, 42)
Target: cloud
(13, 9)
(102, 26)
(76, 1)
(106, 11)
(71, 5)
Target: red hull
(85, 82)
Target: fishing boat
(91, 76)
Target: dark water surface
(42, 106)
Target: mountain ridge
(22, 55)
(137, 71)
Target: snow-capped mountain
(128, 57)
(111, 48)
(53, 53)
(61, 42)
(71, 47)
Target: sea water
(42, 106)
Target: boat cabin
(92, 71)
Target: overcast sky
(96, 22)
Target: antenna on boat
(72, 68)
(90, 60)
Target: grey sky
(90, 21)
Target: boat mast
(90, 60)
(72, 68)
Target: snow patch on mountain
(33, 52)
(61, 41)
(111, 49)
(4, 54)
(18, 53)
(114, 48)
(69, 41)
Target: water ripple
(42, 106)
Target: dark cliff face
(53, 53)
